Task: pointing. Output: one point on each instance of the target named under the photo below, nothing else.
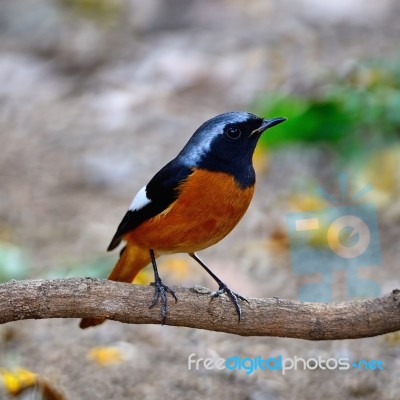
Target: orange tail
(131, 261)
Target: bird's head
(226, 143)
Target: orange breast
(209, 206)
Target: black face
(226, 143)
(232, 151)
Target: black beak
(268, 123)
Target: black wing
(162, 191)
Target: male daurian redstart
(191, 203)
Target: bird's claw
(232, 295)
(160, 291)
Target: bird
(191, 203)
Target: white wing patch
(140, 200)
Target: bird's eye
(233, 132)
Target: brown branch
(86, 297)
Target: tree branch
(86, 297)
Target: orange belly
(209, 206)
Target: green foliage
(95, 268)
(102, 11)
(309, 120)
(13, 263)
(358, 111)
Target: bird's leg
(223, 288)
(160, 290)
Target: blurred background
(97, 95)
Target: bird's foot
(160, 292)
(232, 295)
